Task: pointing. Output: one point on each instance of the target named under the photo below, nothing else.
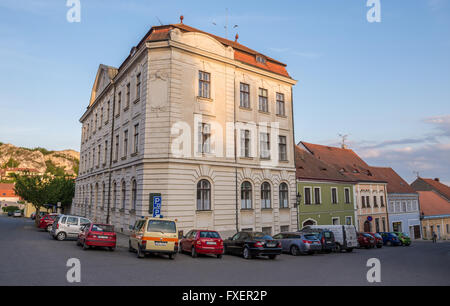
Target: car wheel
(219, 256)
(379, 246)
(338, 248)
(139, 253)
(193, 252)
(294, 250)
(272, 256)
(49, 228)
(246, 253)
(389, 243)
(61, 236)
(78, 242)
(130, 249)
(172, 256)
(111, 249)
(349, 250)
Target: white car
(17, 213)
(345, 236)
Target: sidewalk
(122, 240)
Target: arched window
(124, 193)
(204, 195)
(265, 196)
(114, 194)
(96, 196)
(284, 194)
(246, 195)
(103, 195)
(133, 194)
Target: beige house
(200, 120)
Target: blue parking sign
(155, 204)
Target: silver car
(298, 243)
(67, 226)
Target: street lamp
(297, 204)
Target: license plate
(103, 237)
(211, 243)
(271, 245)
(160, 243)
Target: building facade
(370, 191)
(326, 195)
(435, 215)
(200, 120)
(403, 203)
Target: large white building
(203, 121)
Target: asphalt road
(30, 257)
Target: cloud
(441, 123)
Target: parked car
(46, 222)
(344, 235)
(40, 215)
(17, 213)
(325, 237)
(366, 240)
(33, 215)
(390, 239)
(202, 242)
(252, 244)
(299, 243)
(378, 239)
(67, 226)
(97, 235)
(404, 238)
(10, 213)
(154, 235)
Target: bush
(10, 208)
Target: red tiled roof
(242, 53)
(432, 204)
(309, 167)
(438, 186)
(345, 161)
(395, 183)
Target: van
(345, 236)
(154, 235)
(67, 226)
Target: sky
(384, 84)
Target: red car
(366, 240)
(202, 242)
(97, 235)
(378, 239)
(46, 221)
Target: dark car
(366, 240)
(390, 239)
(252, 244)
(378, 239)
(325, 237)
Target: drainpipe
(235, 155)
(297, 215)
(111, 152)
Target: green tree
(11, 163)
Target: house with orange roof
(402, 201)
(435, 215)
(203, 123)
(428, 184)
(370, 190)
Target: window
(347, 195)
(204, 135)
(284, 195)
(377, 225)
(95, 122)
(260, 59)
(368, 201)
(308, 196)
(282, 148)
(204, 82)
(403, 206)
(265, 196)
(136, 138)
(204, 195)
(317, 199)
(101, 119)
(348, 220)
(107, 110)
(103, 194)
(383, 221)
(245, 143)
(119, 103)
(133, 194)
(267, 230)
(105, 157)
(124, 193)
(334, 196)
(245, 95)
(335, 221)
(93, 157)
(246, 195)
(114, 202)
(264, 145)
(128, 96)
(138, 86)
(280, 104)
(99, 154)
(263, 100)
(117, 148)
(284, 228)
(375, 204)
(125, 143)
(72, 221)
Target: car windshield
(311, 237)
(260, 235)
(161, 226)
(102, 228)
(368, 235)
(394, 235)
(209, 235)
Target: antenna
(416, 173)
(344, 138)
(159, 20)
(226, 26)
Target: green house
(326, 195)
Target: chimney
(437, 179)
(236, 37)
(181, 19)
(344, 146)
